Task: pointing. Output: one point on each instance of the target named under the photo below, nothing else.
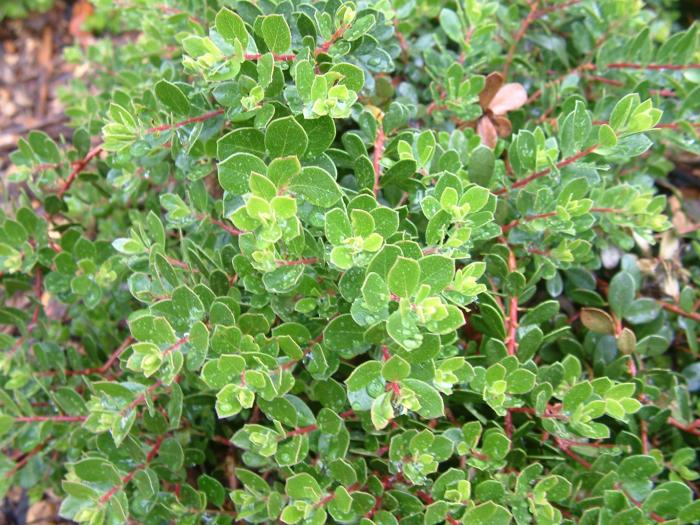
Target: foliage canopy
(376, 262)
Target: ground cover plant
(21, 8)
(378, 262)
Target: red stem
(142, 398)
(200, 118)
(513, 325)
(507, 227)
(386, 355)
(508, 424)
(691, 428)
(377, 157)
(537, 94)
(513, 310)
(290, 57)
(551, 411)
(323, 48)
(394, 387)
(302, 430)
(181, 264)
(221, 224)
(674, 125)
(126, 479)
(177, 344)
(279, 58)
(22, 462)
(529, 19)
(79, 167)
(644, 436)
(652, 67)
(289, 364)
(308, 260)
(527, 180)
(96, 370)
(564, 447)
(619, 83)
(55, 419)
(678, 310)
(311, 428)
(515, 223)
(116, 354)
(638, 504)
(556, 7)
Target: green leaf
(281, 171)
(606, 136)
(622, 111)
(520, 381)
(337, 226)
(375, 292)
(396, 369)
(187, 306)
(481, 166)
(496, 445)
(425, 144)
(404, 277)
(285, 137)
(436, 271)
(642, 310)
(450, 23)
(283, 279)
(302, 486)
(431, 405)
(317, 186)
(363, 375)
(343, 334)
(241, 140)
(276, 34)
(231, 27)
(527, 150)
(621, 293)
(403, 328)
(235, 171)
(173, 97)
(97, 470)
(216, 494)
(171, 454)
(320, 133)
(199, 345)
(382, 411)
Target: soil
(31, 70)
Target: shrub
(21, 8)
(385, 262)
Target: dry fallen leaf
(496, 100)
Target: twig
(527, 180)
(377, 157)
(691, 428)
(78, 169)
(652, 67)
(54, 419)
(529, 19)
(126, 479)
(95, 370)
(308, 260)
(678, 310)
(200, 118)
(22, 462)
